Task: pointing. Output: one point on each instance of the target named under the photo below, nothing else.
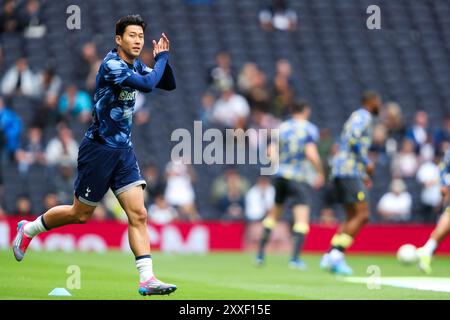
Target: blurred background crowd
(239, 64)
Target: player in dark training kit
(297, 152)
(106, 157)
(351, 172)
(442, 229)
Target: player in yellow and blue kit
(442, 229)
(296, 150)
(351, 171)
(106, 158)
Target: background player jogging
(297, 148)
(351, 174)
(106, 157)
(442, 229)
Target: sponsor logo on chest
(127, 95)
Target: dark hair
(300, 106)
(130, 20)
(368, 95)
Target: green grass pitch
(214, 276)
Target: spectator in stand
(431, 198)
(63, 182)
(75, 103)
(48, 87)
(252, 83)
(261, 120)
(179, 191)
(156, 185)
(222, 71)
(23, 206)
(9, 18)
(396, 205)
(206, 110)
(32, 153)
(231, 204)
(379, 140)
(231, 110)
(378, 149)
(31, 18)
(392, 118)
(282, 88)
(47, 115)
(278, 16)
(259, 199)
(50, 200)
(87, 68)
(418, 133)
(442, 136)
(160, 212)
(62, 149)
(10, 130)
(19, 80)
(228, 193)
(247, 77)
(48, 84)
(405, 163)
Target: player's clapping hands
(162, 45)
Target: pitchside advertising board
(215, 236)
(101, 236)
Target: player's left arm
(167, 81)
(358, 143)
(312, 154)
(149, 81)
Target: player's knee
(140, 215)
(81, 216)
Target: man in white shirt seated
(259, 199)
(396, 204)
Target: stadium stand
(334, 58)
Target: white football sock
(145, 268)
(34, 228)
(430, 246)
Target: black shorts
(350, 190)
(298, 192)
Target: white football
(407, 254)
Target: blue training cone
(60, 292)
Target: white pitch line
(417, 283)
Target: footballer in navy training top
(106, 158)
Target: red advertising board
(101, 236)
(213, 236)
